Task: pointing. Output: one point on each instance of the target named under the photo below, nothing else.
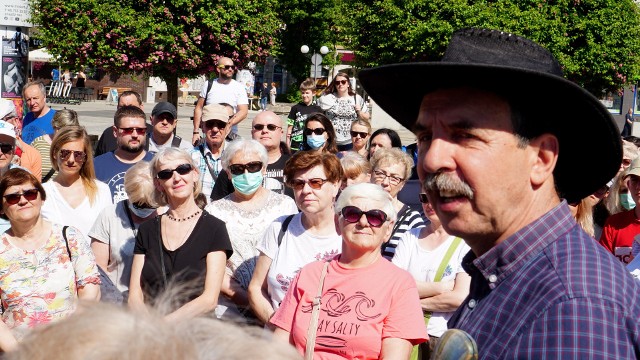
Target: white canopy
(40, 55)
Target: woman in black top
(186, 244)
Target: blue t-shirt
(55, 74)
(111, 171)
(33, 128)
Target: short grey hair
(392, 156)
(168, 154)
(65, 117)
(367, 191)
(247, 146)
(138, 183)
(37, 83)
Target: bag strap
(176, 141)
(283, 228)
(209, 86)
(443, 265)
(315, 314)
(204, 158)
(66, 242)
(48, 175)
(163, 269)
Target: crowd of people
(300, 230)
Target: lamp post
(316, 59)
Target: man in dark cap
(499, 166)
(164, 118)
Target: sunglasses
(317, 131)
(359, 134)
(129, 131)
(142, 206)
(341, 82)
(210, 124)
(78, 156)
(6, 148)
(252, 167)
(352, 214)
(14, 198)
(423, 198)
(270, 127)
(183, 169)
(315, 183)
(226, 67)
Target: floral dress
(40, 286)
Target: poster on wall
(13, 76)
(15, 13)
(15, 42)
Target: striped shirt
(411, 220)
(550, 291)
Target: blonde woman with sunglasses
(76, 197)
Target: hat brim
(590, 146)
(164, 112)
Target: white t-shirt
(297, 249)
(232, 93)
(423, 264)
(57, 210)
(113, 225)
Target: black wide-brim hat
(525, 73)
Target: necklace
(184, 219)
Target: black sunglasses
(317, 131)
(142, 206)
(6, 148)
(270, 127)
(78, 156)
(359, 134)
(210, 124)
(341, 82)
(352, 214)
(14, 198)
(226, 67)
(183, 169)
(252, 167)
(423, 198)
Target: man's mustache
(442, 182)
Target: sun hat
(164, 107)
(526, 74)
(7, 129)
(634, 168)
(215, 112)
(6, 107)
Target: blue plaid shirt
(203, 163)
(550, 291)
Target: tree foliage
(596, 41)
(168, 39)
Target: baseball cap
(164, 107)
(6, 107)
(7, 129)
(215, 112)
(634, 168)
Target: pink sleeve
(405, 319)
(283, 318)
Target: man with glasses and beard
(222, 90)
(129, 128)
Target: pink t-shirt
(360, 307)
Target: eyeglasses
(270, 127)
(226, 67)
(14, 198)
(6, 148)
(142, 206)
(341, 82)
(78, 156)
(129, 131)
(317, 131)
(315, 183)
(210, 124)
(183, 169)
(423, 198)
(359, 134)
(252, 167)
(375, 218)
(393, 179)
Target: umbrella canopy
(40, 55)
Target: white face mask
(141, 213)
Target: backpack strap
(176, 141)
(283, 229)
(209, 86)
(66, 242)
(48, 175)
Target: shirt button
(493, 278)
(472, 304)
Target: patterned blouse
(40, 286)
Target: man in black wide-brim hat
(500, 157)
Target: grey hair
(369, 191)
(247, 146)
(354, 165)
(64, 117)
(167, 154)
(138, 183)
(37, 83)
(392, 156)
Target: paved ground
(97, 115)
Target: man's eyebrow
(462, 124)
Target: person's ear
(336, 221)
(545, 149)
(115, 131)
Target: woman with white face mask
(247, 212)
(113, 235)
(319, 134)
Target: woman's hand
(259, 299)
(90, 292)
(8, 342)
(136, 296)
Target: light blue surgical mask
(627, 201)
(141, 213)
(316, 141)
(247, 183)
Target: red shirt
(618, 233)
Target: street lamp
(316, 59)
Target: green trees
(168, 39)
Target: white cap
(6, 107)
(7, 129)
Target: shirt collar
(517, 250)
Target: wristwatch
(196, 132)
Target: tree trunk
(172, 89)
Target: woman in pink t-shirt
(369, 308)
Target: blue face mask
(315, 141)
(247, 183)
(627, 201)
